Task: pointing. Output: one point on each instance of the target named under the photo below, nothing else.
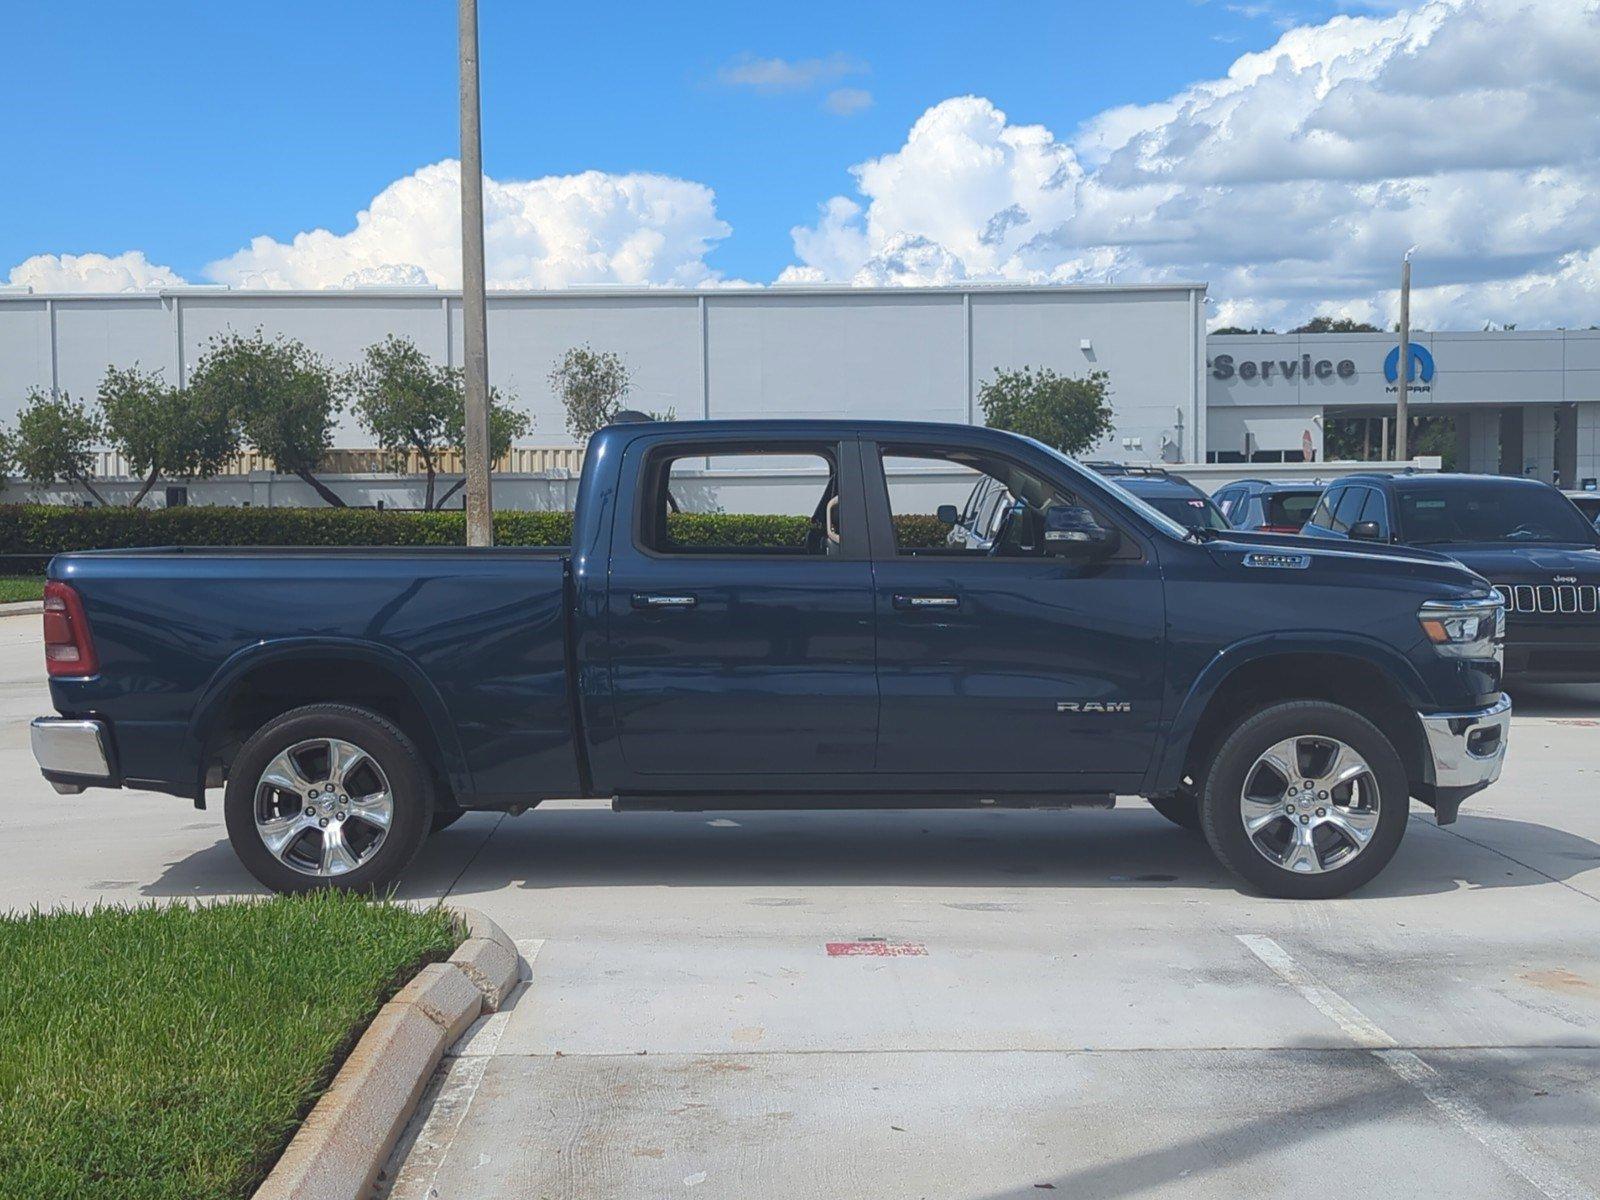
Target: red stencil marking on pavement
(877, 948)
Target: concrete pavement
(1097, 1009)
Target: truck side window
(999, 506)
(757, 503)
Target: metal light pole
(1402, 418)
(480, 507)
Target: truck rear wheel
(328, 795)
(1305, 800)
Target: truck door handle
(677, 600)
(902, 600)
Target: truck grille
(1548, 598)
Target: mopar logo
(1421, 365)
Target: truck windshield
(1488, 512)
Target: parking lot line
(1503, 1143)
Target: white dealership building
(1524, 402)
(1521, 402)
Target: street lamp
(1402, 421)
(480, 507)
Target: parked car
(1168, 493)
(1588, 503)
(1268, 506)
(1522, 535)
(1285, 699)
(976, 524)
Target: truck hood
(1413, 562)
(1503, 561)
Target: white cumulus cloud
(641, 229)
(130, 271)
(1291, 185)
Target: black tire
(410, 787)
(1222, 799)
(443, 818)
(1182, 808)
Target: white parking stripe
(458, 1080)
(1548, 1178)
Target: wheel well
(275, 688)
(1336, 678)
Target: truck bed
(473, 638)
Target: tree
(55, 440)
(163, 430)
(1324, 324)
(284, 397)
(506, 424)
(592, 385)
(1069, 414)
(1236, 329)
(407, 401)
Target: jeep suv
(1523, 536)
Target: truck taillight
(68, 648)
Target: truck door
(740, 610)
(995, 659)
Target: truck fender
(1167, 771)
(237, 668)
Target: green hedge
(39, 529)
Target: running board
(760, 801)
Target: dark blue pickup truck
(839, 648)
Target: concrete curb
(17, 608)
(339, 1150)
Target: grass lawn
(21, 587)
(156, 1053)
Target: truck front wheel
(328, 795)
(1305, 800)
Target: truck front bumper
(73, 754)
(1465, 753)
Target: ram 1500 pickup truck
(1286, 697)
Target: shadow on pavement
(1554, 699)
(566, 847)
(1274, 1143)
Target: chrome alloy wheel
(1309, 804)
(323, 807)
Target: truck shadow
(1578, 700)
(567, 846)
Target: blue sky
(184, 129)
(1284, 151)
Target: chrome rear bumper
(72, 753)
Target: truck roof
(767, 426)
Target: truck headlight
(1465, 628)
